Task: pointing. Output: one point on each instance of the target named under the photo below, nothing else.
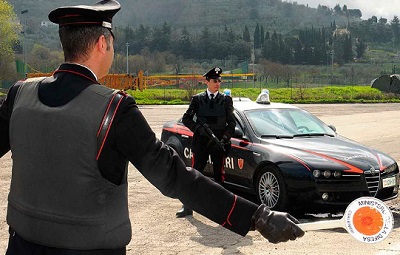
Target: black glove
(217, 145)
(275, 226)
(225, 139)
(226, 143)
(201, 131)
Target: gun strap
(107, 120)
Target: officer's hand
(227, 143)
(225, 140)
(201, 131)
(217, 145)
(275, 226)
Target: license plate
(389, 182)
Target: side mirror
(332, 127)
(238, 133)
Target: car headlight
(327, 174)
(337, 174)
(390, 168)
(317, 173)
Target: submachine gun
(210, 134)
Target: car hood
(323, 152)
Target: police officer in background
(71, 140)
(215, 110)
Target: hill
(196, 14)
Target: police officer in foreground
(211, 110)
(71, 140)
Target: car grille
(354, 185)
(372, 178)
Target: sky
(380, 8)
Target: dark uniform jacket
(228, 119)
(131, 139)
(79, 212)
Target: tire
(271, 189)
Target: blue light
(227, 92)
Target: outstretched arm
(162, 166)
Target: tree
(257, 37)
(356, 13)
(344, 8)
(360, 48)
(271, 49)
(342, 46)
(324, 10)
(9, 30)
(185, 44)
(347, 49)
(337, 9)
(242, 49)
(141, 39)
(395, 25)
(262, 36)
(246, 34)
(254, 15)
(204, 44)
(382, 21)
(44, 60)
(373, 19)
(161, 38)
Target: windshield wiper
(313, 134)
(277, 136)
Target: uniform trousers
(201, 156)
(19, 246)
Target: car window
(285, 122)
(306, 122)
(239, 122)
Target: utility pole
(332, 57)
(24, 54)
(253, 58)
(127, 58)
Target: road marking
(392, 250)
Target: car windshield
(286, 123)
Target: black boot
(184, 211)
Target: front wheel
(271, 189)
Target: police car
(289, 158)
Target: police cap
(214, 73)
(98, 14)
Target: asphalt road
(157, 231)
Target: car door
(185, 137)
(240, 163)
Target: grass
(299, 94)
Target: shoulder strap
(108, 119)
